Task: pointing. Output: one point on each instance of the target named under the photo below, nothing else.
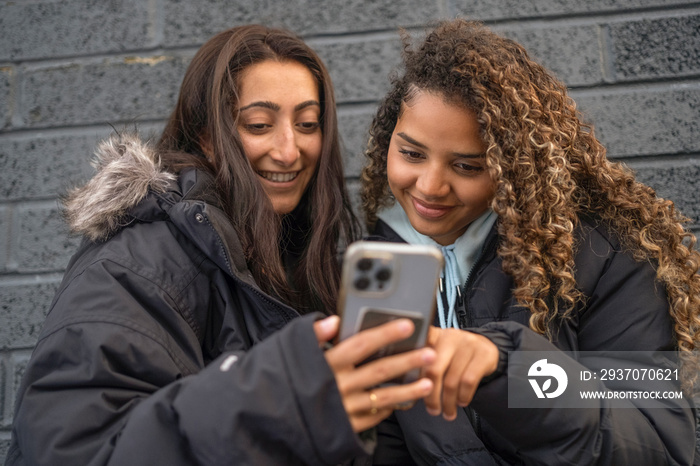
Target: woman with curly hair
(549, 246)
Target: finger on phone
(451, 387)
(436, 372)
(397, 396)
(326, 329)
(360, 346)
(388, 368)
(389, 397)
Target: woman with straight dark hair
(174, 337)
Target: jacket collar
(127, 170)
(130, 184)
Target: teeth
(278, 177)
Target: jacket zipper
(472, 415)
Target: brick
(16, 369)
(354, 128)
(518, 9)
(44, 244)
(677, 181)
(4, 447)
(656, 48)
(353, 187)
(4, 395)
(572, 53)
(31, 30)
(6, 78)
(42, 166)
(111, 90)
(360, 69)
(5, 223)
(23, 308)
(192, 23)
(646, 121)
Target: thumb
(326, 329)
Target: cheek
(252, 147)
(397, 174)
(313, 148)
(478, 194)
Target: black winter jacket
(159, 348)
(626, 310)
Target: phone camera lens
(364, 264)
(362, 283)
(383, 274)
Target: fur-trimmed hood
(127, 170)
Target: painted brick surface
(517, 9)
(70, 68)
(6, 73)
(44, 244)
(23, 307)
(41, 167)
(190, 23)
(16, 367)
(4, 399)
(656, 48)
(105, 91)
(354, 126)
(647, 120)
(5, 223)
(4, 447)
(31, 30)
(359, 69)
(572, 53)
(673, 182)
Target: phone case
(384, 281)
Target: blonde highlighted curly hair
(548, 168)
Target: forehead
(438, 123)
(273, 80)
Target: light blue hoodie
(459, 256)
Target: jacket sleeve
(273, 404)
(114, 391)
(599, 433)
(626, 310)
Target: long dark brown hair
(207, 109)
(548, 167)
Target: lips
(278, 177)
(428, 210)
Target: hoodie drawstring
(450, 277)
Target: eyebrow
(410, 140)
(308, 103)
(276, 107)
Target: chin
(282, 209)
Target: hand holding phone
(386, 281)
(366, 399)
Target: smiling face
(436, 167)
(280, 129)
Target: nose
(286, 150)
(432, 181)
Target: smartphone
(386, 281)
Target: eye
(256, 128)
(410, 155)
(469, 169)
(309, 126)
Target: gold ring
(373, 402)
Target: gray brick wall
(70, 68)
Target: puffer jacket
(625, 310)
(159, 348)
